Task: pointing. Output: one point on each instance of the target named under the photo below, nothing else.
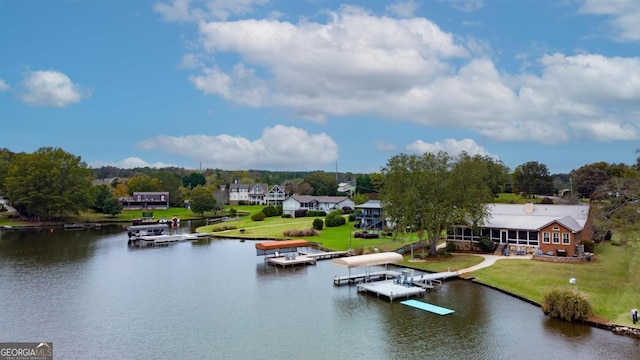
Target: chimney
(528, 208)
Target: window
(566, 240)
(545, 237)
(556, 238)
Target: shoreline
(593, 321)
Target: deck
(391, 289)
(292, 259)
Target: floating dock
(391, 289)
(427, 307)
(164, 239)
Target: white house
(255, 194)
(309, 202)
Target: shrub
(311, 213)
(286, 216)
(258, 216)
(279, 209)
(300, 213)
(589, 246)
(318, 224)
(487, 244)
(223, 228)
(352, 217)
(451, 247)
(334, 219)
(270, 211)
(233, 212)
(347, 210)
(299, 232)
(566, 304)
(546, 200)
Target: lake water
(95, 297)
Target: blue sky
(311, 85)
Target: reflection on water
(216, 299)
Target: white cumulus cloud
(51, 88)
(130, 163)
(451, 146)
(408, 69)
(280, 147)
(623, 17)
(4, 86)
(182, 10)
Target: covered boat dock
(366, 261)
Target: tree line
(51, 183)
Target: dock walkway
(366, 277)
(302, 258)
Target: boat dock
(164, 239)
(301, 258)
(366, 277)
(391, 289)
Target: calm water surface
(96, 298)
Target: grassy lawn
(438, 264)
(611, 282)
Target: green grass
(611, 282)
(454, 262)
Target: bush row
(299, 232)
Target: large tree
(323, 184)
(432, 192)
(532, 178)
(49, 183)
(171, 182)
(143, 183)
(588, 178)
(202, 200)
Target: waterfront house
(256, 194)
(309, 202)
(370, 215)
(145, 200)
(527, 228)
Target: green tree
(532, 178)
(194, 179)
(432, 192)
(103, 194)
(202, 200)
(111, 206)
(363, 184)
(171, 182)
(617, 205)
(5, 159)
(49, 183)
(588, 178)
(323, 184)
(143, 183)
